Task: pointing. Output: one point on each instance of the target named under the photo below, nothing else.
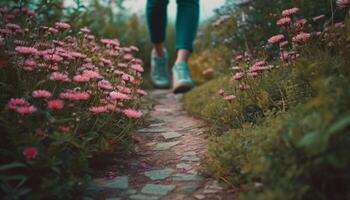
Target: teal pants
(186, 21)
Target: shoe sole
(182, 88)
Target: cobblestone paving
(167, 161)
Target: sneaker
(182, 81)
(159, 70)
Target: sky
(206, 8)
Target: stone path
(167, 161)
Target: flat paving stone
(171, 135)
(190, 158)
(157, 189)
(159, 174)
(191, 188)
(120, 182)
(143, 197)
(165, 145)
(186, 177)
(184, 166)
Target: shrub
(65, 97)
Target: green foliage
(298, 147)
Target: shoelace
(160, 71)
(181, 71)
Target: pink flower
(253, 74)
(221, 91)
(25, 110)
(342, 4)
(58, 76)
(284, 21)
(238, 76)
(124, 89)
(105, 85)
(276, 38)
(26, 50)
(53, 57)
(302, 37)
(100, 109)
(230, 97)
(17, 102)
(137, 67)
(30, 152)
(74, 95)
(132, 114)
(81, 78)
(289, 12)
(29, 62)
(128, 57)
(134, 48)
(106, 61)
(112, 42)
(85, 30)
(13, 26)
(127, 77)
(41, 94)
(142, 92)
(119, 96)
(283, 44)
(91, 74)
(284, 56)
(62, 25)
(52, 30)
(56, 104)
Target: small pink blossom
(85, 30)
(128, 57)
(142, 92)
(29, 62)
(342, 4)
(105, 85)
(289, 12)
(56, 104)
(81, 78)
(284, 21)
(238, 76)
(276, 38)
(30, 152)
(119, 96)
(91, 74)
(99, 109)
(302, 37)
(52, 30)
(112, 42)
(53, 57)
(62, 25)
(58, 76)
(25, 110)
(137, 67)
(17, 102)
(284, 44)
(132, 114)
(74, 95)
(230, 97)
(26, 50)
(41, 94)
(106, 61)
(221, 91)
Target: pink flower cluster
(21, 106)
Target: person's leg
(186, 27)
(186, 30)
(156, 14)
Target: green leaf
(339, 125)
(313, 142)
(11, 166)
